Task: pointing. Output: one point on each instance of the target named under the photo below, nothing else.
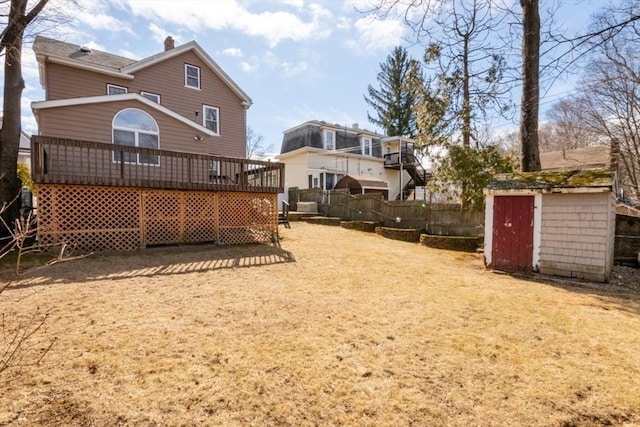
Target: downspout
(400, 160)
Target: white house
(318, 154)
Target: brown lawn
(335, 327)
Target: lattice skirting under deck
(92, 218)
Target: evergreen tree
(393, 103)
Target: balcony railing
(67, 161)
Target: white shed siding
(575, 235)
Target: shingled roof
(49, 47)
(549, 180)
(69, 54)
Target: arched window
(136, 128)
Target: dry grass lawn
(335, 327)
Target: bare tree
(256, 147)
(462, 54)
(613, 107)
(567, 126)
(17, 16)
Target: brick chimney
(169, 43)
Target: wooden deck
(75, 162)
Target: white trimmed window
(211, 118)
(151, 96)
(366, 146)
(329, 139)
(135, 128)
(192, 76)
(115, 89)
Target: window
(192, 76)
(330, 181)
(151, 96)
(365, 144)
(135, 128)
(211, 119)
(214, 171)
(115, 90)
(329, 140)
(315, 182)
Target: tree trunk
(10, 184)
(466, 95)
(530, 160)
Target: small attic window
(115, 89)
(192, 76)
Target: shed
(363, 184)
(555, 222)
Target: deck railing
(68, 161)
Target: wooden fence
(92, 218)
(627, 244)
(435, 218)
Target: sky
(298, 60)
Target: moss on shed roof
(553, 179)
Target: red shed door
(512, 233)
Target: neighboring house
(577, 158)
(24, 149)
(596, 157)
(24, 156)
(146, 151)
(318, 154)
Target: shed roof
(548, 180)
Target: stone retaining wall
(404, 234)
(368, 226)
(324, 220)
(454, 243)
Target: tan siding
(165, 79)
(93, 123)
(575, 232)
(65, 82)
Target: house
(28, 201)
(598, 156)
(131, 153)
(322, 155)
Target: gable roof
(38, 105)
(577, 158)
(72, 55)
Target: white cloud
(249, 68)
(343, 23)
(274, 27)
(293, 3)
(291, 69)
(375, 35)
(94, 45)
(92, 15)
(233, 51)
(159, 34)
